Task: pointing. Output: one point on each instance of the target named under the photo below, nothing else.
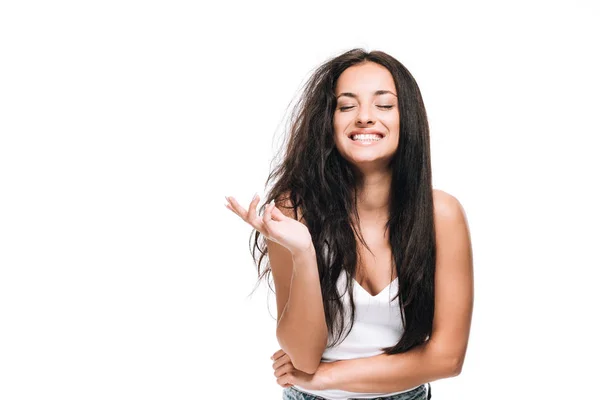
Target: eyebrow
(376, 93)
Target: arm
(442, 356)
(301, 327)
(301, 330)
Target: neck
(374, 196)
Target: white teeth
(367, 136)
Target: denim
(419, 393)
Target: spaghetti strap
(428, 390)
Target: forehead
(366, 77)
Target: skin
(368, 111)
(443, 355)
(379, 112)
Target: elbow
(302, 358)
(449, 363)
(455, 366)
(307, 361)
(309, 367)
(310, 361)
(304, 362)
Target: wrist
(302, 254)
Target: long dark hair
(314, 177)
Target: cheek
(393, 124)
(338, 125)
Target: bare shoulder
(451, 226)
(447, 207)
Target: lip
(365, 131)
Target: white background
(124, 124)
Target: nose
(364, 116)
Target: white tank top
(377, 324)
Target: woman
(361, 247)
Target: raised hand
(274, 225)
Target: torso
(376, 271)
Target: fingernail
(254, 197)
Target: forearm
(302, 331)
(391, 373)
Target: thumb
(277, 215)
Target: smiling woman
(362, 249)
(373, 98)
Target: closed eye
(349, 107)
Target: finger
(277, 215)
(241, 211)
(281, 361)
(284, 369)
(286, 379)
(252, 208)
(267, 215)
(245, 215)
(277, 354)
(228, 205)
(252, 218)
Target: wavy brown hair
(313, 177)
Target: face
(367, 102)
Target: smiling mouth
(366, 138)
